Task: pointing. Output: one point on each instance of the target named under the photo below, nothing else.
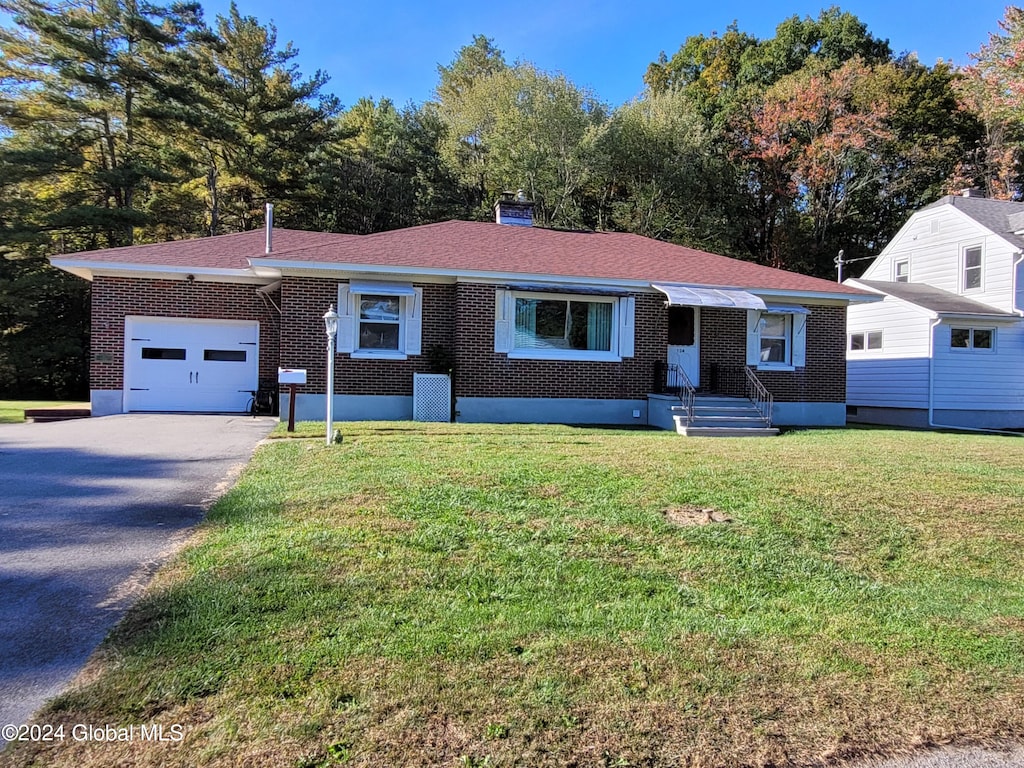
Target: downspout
(1014, 278)
(931, 392)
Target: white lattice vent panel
(431, 397)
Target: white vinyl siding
(905, 327)
(896, 375)
(934, 241)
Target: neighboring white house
(945, 347)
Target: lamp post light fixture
(331, 328)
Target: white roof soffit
(687, 296)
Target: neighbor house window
(972, 338)
(865, 340)
(901, 271)
(972, 268)
(776, 338)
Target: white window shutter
(799, 341)
(502, 321)
(753, 337)
(346, 320)
(627, 330)
(414, 322)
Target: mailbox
(291, 375)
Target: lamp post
(331, 328)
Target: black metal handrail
(687, 392)
(759, 395)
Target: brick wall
(723, 353)
(459, 318)
(114, 298)
(304, 343)
(481, 372)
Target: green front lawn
(471, 595)
(13, 411)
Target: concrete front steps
(715, 416)
(40, 415)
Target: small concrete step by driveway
(89, 510)
(42, 415)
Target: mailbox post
(292, 377)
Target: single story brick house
(538, 325)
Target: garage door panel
(173, 364)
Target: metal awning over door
(692, 296)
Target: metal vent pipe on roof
(270, 227)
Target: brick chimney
(972, 192)
(514, 210)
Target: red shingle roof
(220, 252)
(483, 247)
(475, 247)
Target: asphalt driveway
(88, 510)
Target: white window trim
(896, 269)
(410, 306)
(865, 349)
(787, 364)
(796, 328)
(505, 327)
(963, 268)
(971, 349)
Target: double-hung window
(901, 271)
(379, 320)
(972, 268)
(777, 337)
(556, 326)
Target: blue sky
(392, 49)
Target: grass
(13, 411)
(473, 595)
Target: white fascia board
(978, 318)
(91, 269)
(279, 267)
(267, 267)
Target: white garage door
(206, 366)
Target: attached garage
(198, 366)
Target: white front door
(175, 364)
(684, 344)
